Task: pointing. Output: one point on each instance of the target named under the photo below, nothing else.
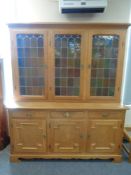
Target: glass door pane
(104, 65)
(30, 54)
(67, 64)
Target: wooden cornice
(69, 25)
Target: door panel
(29, 135)
(30, 64)
(68, 136)
(104, 65)
(104, 136)
(68, 64)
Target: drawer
(67, 114)
(29, 113)
(105, 114)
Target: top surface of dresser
(60, 105)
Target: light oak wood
(28, 114)
(115, 158)
(67, 115)
(67, 127)
(15, 70)
(86, 31)
(67, 136)
(14, 159)
(72, 25)
(82, 58)
(119, 69)
(56, 133)
(66, 106)
(29, 135)
(104, 135)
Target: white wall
(128, 117)
(48, 11)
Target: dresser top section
(65, 105)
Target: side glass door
(104, 82)
(30, 64)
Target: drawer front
(29, 113)
(67, 114)
(106, 114)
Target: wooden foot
(117, 159)
(14, 159)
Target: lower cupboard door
(68, 136)
(104, 136)
(29, 135)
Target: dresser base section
(63, 133)
(18, 157)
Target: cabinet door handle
(29, 115)
(67, 114)
(44, 135)
(76, 145)
(81, 136)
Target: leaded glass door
(68, 65)
(104, 65)
(30, 64)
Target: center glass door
(68, 65)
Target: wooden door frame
(119, 69)
(15, 71)
(82, 59)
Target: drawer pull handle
(81, 136)
(67, 114)
(105, 115)
(29, 115)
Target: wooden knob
(67, 114)
(105, 115)
(29, 115)
(44, 135)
